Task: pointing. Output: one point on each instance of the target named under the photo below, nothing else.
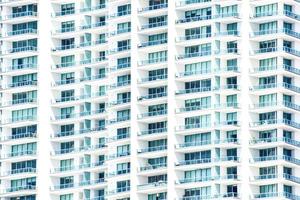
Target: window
(266, 10)
(66, 182)
(268, 63)
(204, 13)
(22, 166)
(124, 10)
(197, 68)
(197, 121)
(66, 164)
(67, 147)
(123, 62)
(18, 184)
(266, 190)
(26, 62)
(66, 197)
(199, 103)
(123, 150)
(155, 57)
(123, 168)
(67, 9)
(124, 27)
(68, 26)
(24, 114)
(67, 61)
(198, 192)
(158, 196)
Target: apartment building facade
(149, 99)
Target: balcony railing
(189, 2)
(153, 96)
(193, 37)
(153, 149)
(193, 19)
(275, 139)
(19, 15)
(79, 132)
(153, 43)
(154, 25)
(193, 55)
(152, 114)
(193, 90)
(152, 61)
(153, 7)
(153, 167)
(153, 131)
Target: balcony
(20, 32)
(19, 50)
(78, 149)
(65, 13)
(193, 162)
(270, 195)
(193, 19)
(193, 90)
(275, 158)
(190, 2)
(77, 115)
(80, 63)
(120, 67)
(93, 8)
(120, 49)
(26, 135)
(193, 73)
(20, 84)
(152, 131)
(276, 68)
(78, 167)
(275, 104)
(152, 114)
(119, 137)
(154, 25)
(26, 119)
(80, 184)
(193, 55)
(276, 31)
(120, 31)
(16, 68)
(193, 108)
(120, 14)
(269, 122)
(193, 144)
(152, 149)
(119, 190)
(119, 172)
(287, 86)
(152, 43)
(78, 132)
(19, 15)
(193, 37)
(16, 102)
(19, 154)
(27, 170)
(119, 119)
(29, 188)
(153, 61)
(153, 167)
(155, 185)
(153, 8)
(264, 141)
(192, 126)
(287, 50)
(153, 96)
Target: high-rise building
(149, 99)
